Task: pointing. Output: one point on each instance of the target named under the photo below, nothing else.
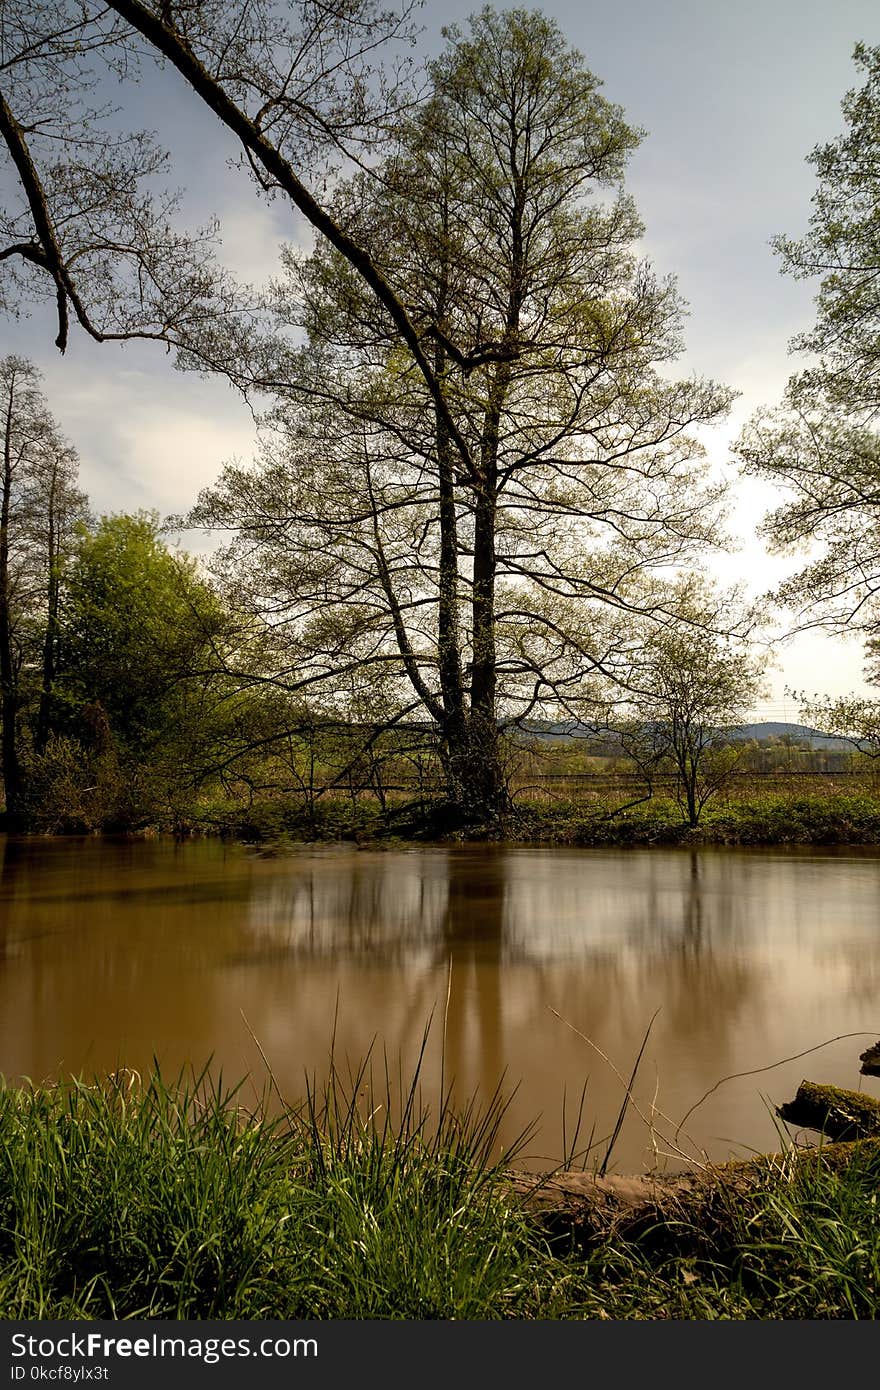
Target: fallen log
(833, 1111)
(870, 1060)
(668, 1209)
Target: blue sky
(733, 98)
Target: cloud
(251, 234)
(147, 436)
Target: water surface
(112, 953)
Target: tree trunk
(47, 682)
(475, 782)
(485, 788)
(454, 727)
(8, 682)
(481, 774)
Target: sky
(732, 97)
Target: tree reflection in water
(114, 953)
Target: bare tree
(86, 219)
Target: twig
(259, 1046)
(654, 1111)
(626, 1098)
(756, 1071)
(645, 1121)
(445, 1022)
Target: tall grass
(173, 1200)
(812, 1242)
(798, 1238)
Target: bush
(73, 790)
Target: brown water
(111, 953)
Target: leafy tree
(140, 707)
(39, 505)
(823, 445)
(851, 717)
(295, 85)
(466, 550)
(841, 246)
(137, 625)
(694, 684)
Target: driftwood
(870, 1060)
(833, 1111)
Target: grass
(814, 1242)
(753, 816)
(151, 1200)
(799, 1240)
(751, 811)
(155, 1201)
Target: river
(539, 969)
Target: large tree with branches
(483, 441)
(478, 557)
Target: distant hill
(799, 733)
(759, 732)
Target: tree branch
(175, 48)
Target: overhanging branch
(178, 52)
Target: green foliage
(125, 1200)
(811, 1246)
(450, 536)
(851, 717)
(800, 820)
(693, 680)
(137, 624)
(140, 700)
(842, 245)
(823, 446)
(753, 818)
(280, 819)
(800, 1238)
(123, 1204)
(72, 789)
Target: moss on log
(833, 1111)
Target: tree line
(139, 687)
(481, 497)
(103, 630)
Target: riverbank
(756, 819)
(123, 1199)
(753, 816)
